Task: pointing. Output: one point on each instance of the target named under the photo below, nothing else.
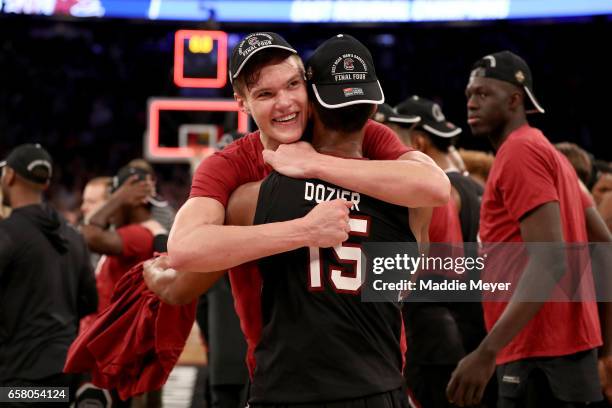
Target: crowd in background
(81, 87)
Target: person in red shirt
(133, 239)
(545, 352)
(268, 80)
(438, 333)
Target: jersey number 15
(346, 254)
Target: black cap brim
(404, 119)
(234, 75)
(441, 129)
(334, 96)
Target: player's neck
(338, 143)
(441, 159)
(498, 138)
(24, 198)
(268, 142)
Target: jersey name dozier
(320, 192)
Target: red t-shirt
(445, 225)
(134, 344)
(137, 247)
(527, 173)
(242, 162)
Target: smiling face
(278, 101)
(489, 105)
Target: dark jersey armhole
(266, 198)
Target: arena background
(80, 85)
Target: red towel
(134, 343)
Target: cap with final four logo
(251, 45)
(341, 73)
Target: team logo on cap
(437, 113)
(346, 71)
(349, 64)
(254, 41)
(520, 76)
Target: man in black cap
(434, 135)
(46, 281)
(440, 334)
(356, 356)
(546, 352)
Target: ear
(373, 110)
(10, 176)
(418, 141)
(242, 103)
(517, 100)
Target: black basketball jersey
(319, 341)
(471, 195)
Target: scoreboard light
(156, 152)
(191, 45)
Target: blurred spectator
(602, 194)
(95, 194)
(579, 158)
(46, 281)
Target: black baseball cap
(341, 73)
(432, 118)
(128, 171)
(251, 45)
(387, 114)
(509, 67)
(30, 161)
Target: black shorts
(391, 399)
(556, 382)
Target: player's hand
(468, 381)
(328, 223)
(605, 376)
(295, 160)
(135, 192)
(158, 274)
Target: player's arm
(419, 219)
(199, 243)
(473, 372)
(414, 180)
(179, 288)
